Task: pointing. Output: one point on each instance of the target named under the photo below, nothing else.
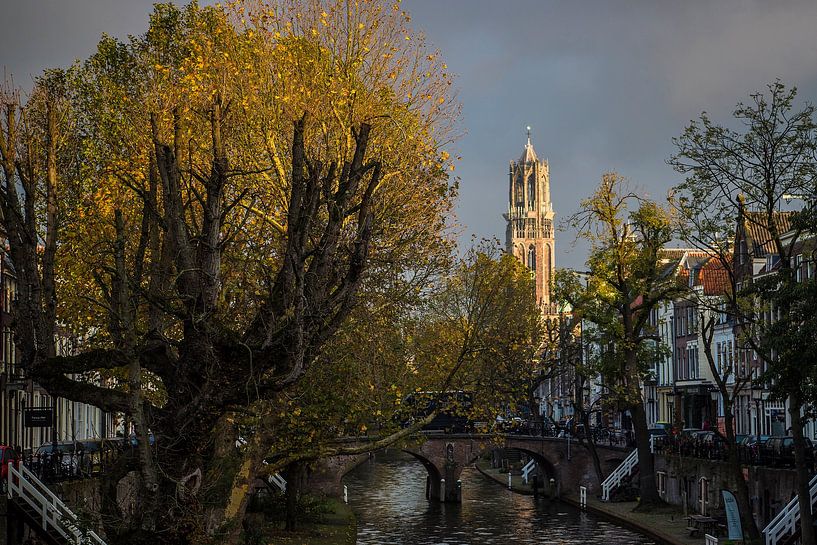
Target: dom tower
(529, 231)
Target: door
(703, 495)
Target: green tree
(748, 175)
(486, 320)
(215, 198)
(625, 283)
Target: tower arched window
(531, 192)
(519, 191)
(532, 259)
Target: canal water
(388, 496)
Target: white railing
(23, 484)
(528, 469)
(785, 522)
(278, 481)
(710, 540)
(614, 479)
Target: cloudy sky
(604, 84)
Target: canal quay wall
(770, 489)
(667, 527)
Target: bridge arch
(432, 479)
(541, 462)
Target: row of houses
(29, 416)
(681, 389)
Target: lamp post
(757, 396)
(715, 395)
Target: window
(798, 267)
(661, 477)
(720, 361)
(703, 495)
(692, 361)
(532, 259)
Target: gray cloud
(605, 85)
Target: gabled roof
(759, 240)
(677, 254)
(711, 275)
(714, 277)
(673, 254)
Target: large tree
(204, 206)
(748, 176)
(625, 283)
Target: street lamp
(714, 395)
(757, 396)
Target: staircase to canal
(614, 479)
(785, 525)
(45, 512)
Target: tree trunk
(588, 441)
(648, 490)
(803, 474)
(591, 446)
(236, 505)
(293, 493)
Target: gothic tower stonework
(529, 231)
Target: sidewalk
(667, 525)
(501, 476)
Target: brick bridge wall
(769, 488)
(325, 476)
(445, 456)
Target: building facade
(71, 421)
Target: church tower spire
(529, 230)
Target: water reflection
(388, 495)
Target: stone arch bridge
(445, 456)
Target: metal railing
(527, 470)
(785, 522)
(623, 470)
(279, 482)
(53, 467)
(23, 484)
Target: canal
(387, 494)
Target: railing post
(583, 497)
(345, 494)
